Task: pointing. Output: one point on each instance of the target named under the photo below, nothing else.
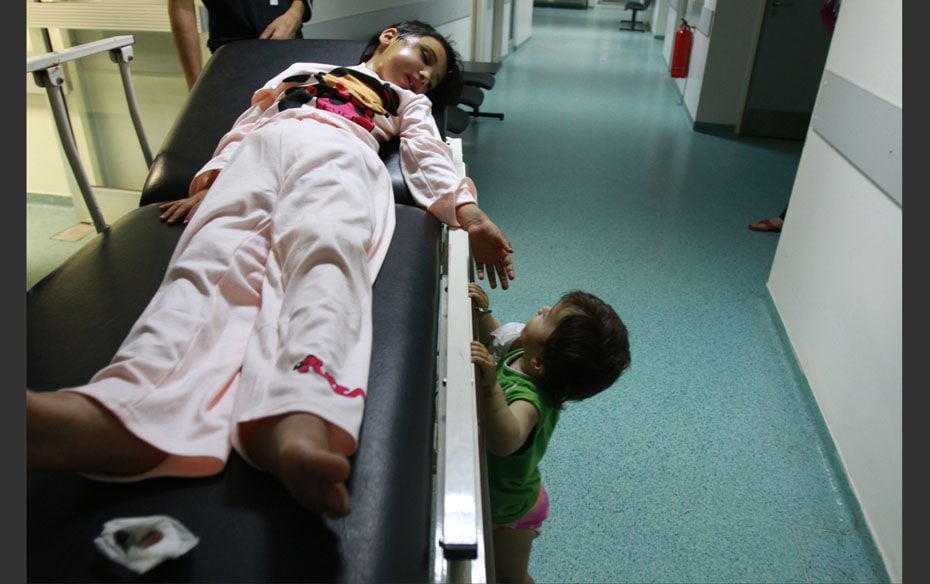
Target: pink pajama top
(426, 160)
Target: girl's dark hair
(449, 90)
(587, 352)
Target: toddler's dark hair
(449, 90)
(587, 352)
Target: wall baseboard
(714, 129)
(831, 455)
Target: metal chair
(635, 7)
(457, 120)
(475, 85)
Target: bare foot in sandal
(774, 224)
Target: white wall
(646, 16)
(836, 283)
(523, 21)
(659, 17)
(725, 36)
(483, 49)
(690, 87)
(672, 19)
(505, 28)
(693, 85)
(729, 60)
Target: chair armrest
(471, 96)
(478, 79)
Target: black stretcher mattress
(250, 528)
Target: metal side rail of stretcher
(47, 72)
(461, 548)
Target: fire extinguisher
(681, 52)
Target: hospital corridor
(710, 459)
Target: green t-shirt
(514, 479)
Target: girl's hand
(489, 248)
(479, 296)
(487, 366)
(182, 208)
(491, 252)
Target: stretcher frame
(47, 72)
(462, 548)
(461, 544)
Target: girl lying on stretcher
(259, 337)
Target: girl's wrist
(469, 215)
(489, 388)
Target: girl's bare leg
(70, 431)
(512, 554)
(295, 448)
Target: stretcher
(417, 486)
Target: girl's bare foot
(295, 449)
(70, 431)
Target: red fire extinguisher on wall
(681, 51)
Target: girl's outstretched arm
(489, 246)
(507, 426)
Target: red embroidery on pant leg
(316, 364)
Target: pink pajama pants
(272, 268)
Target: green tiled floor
(46, 217)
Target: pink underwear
(533, 519)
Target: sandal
(765, 225)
